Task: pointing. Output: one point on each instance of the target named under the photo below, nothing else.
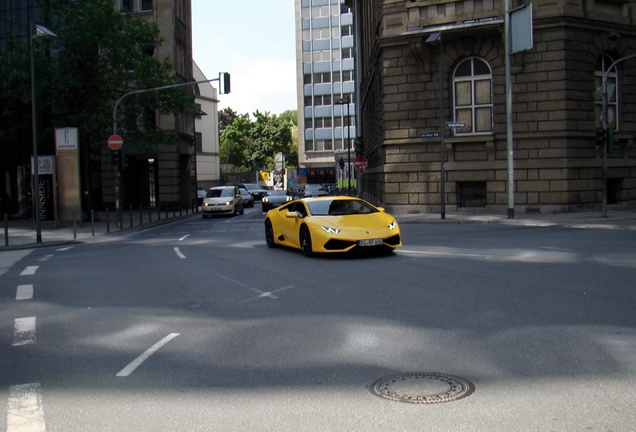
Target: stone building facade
(556, 107)
(166, 176)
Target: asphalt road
(198, 326)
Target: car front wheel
(269, 234)
(305, 241)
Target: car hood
(217, 200)
(356, 222)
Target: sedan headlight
(264, 199)
(330, 229)
(392, 225)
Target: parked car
(314, 190)
(255, 190)
(222, 200)
(248, 199)
(331, 225)
(275, 198)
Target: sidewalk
(22, 233)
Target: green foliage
(253, 144)
(99, 55)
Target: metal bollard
(6, 229)
(74, 226)
(131, 215)
(108, 220)
(141, 215)
(93, 222)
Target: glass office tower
(325, 76)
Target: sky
(253, 40)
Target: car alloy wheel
(305, 241)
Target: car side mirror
(380, 208)
(292, 214)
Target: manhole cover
(422, 387)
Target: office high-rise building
(326, 88)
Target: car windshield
(216, 193)
(276, 193)
(340, 207)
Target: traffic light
(612, 141)
(359, 145)
(601, 136)
(225, 76)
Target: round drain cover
(422, 387)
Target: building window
(145, 5)
(603, 67)
(126, 6)
(472, 96)
(471, 194)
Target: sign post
(115, 143)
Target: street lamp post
(437, 38)
(345, 101)
(35, 32)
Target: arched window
(472, 96)
(603, 71)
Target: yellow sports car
(331, 224)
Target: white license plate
(372, 242)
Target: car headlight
(289, 199)
(205, 204)
(228, 203)
(265, 199)
(330, 229)
(392, 225)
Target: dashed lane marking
(179, 253)
(26, 411)
(24, 331)
(29, 270)
(24, 292)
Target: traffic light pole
(226, 81)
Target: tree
(253, 144)
(100, 54)
(227, 116)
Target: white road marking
(184, 237)
(24, 292)
(65, 248)
(26, 411)
(443, 253)
(268, 294)
(46, 257)
(179, 253)
(29, 270)
(142, 358)
(24, 331)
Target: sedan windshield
(215, 193)
(340, 207)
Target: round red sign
(115, 142)
(361, 163)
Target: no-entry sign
(115, 142)
(361, 163)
